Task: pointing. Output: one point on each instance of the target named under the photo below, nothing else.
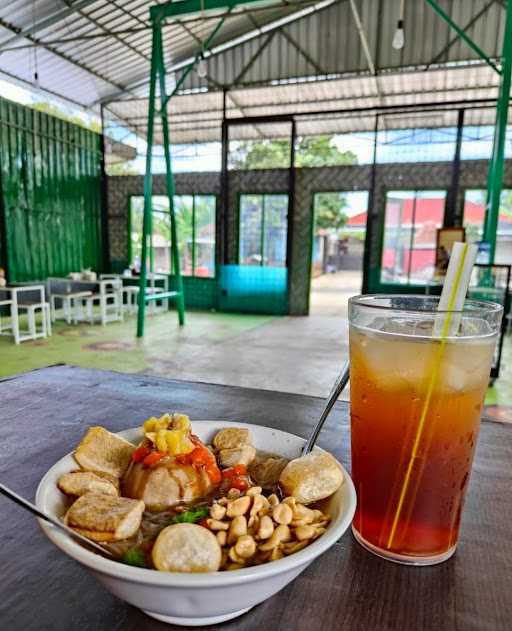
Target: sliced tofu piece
(238, 455)
(81, 482)
(100, 450)
(232, 437)
(110, 478)
(105, 517)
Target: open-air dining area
(256, 315)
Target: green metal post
(495, 177)
(148, 181)
(262, 228)
(192, 64)
(180, 301)
(151, 246)
(193, 235)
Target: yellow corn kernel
(181, 421)
(150, 424)
(161, 440)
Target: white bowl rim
(149, 576)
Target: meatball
(166, 484)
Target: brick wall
(435, 175)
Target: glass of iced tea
(416, 401)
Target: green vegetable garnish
(134, 556)
(191, 516)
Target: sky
(423, 145)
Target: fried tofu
(231, 438)
(101, 451)
(79, 483)
(238, 455)
(312, 477)
(105, 517)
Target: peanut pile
(253, 529)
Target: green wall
(50, 201)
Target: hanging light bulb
(399, 36)
(37, 84)
(202, 68)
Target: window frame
(193, 252)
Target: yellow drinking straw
(452, 299)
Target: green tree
(319, 151)
(121, 168)
(329, 213)
(311, 151)
(506, 203)
(54, 110)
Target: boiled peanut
(259, 504)
(217, 511)
(233, 556)
(237, 528)
(282, 514)
(293, 546)
(273, 500)
(266, 528)
(222, 537)
(276, 554)
(280, 535)
(254, 490)
(305, 532)
(238, 507)
(215, 524)
(245, 547)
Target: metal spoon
(21, 501)
(335, 392)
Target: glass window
(195, 225)
(339, 230)
(263, 230)
(409, 241)
(474, 219)
(474, 214)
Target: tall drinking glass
(415, 408)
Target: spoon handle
(21, 501)
(335, 392)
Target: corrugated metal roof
(91, 50)
(197, 118)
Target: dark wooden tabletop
(44, 413)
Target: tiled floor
(292, 354)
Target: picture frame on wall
(445, 239)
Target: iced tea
(409, 508)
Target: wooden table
(44, 413)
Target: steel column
(148, 185)
(450, 214)
(169, 179)
(495, 177)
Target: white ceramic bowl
(199, 599)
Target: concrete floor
(292, 354)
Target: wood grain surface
(44, 413)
